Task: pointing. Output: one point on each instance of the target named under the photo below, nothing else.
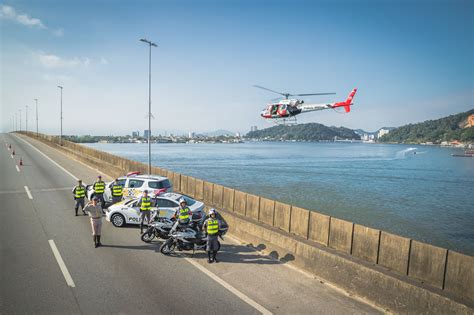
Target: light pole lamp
(61, 117)
(150, 44)
(36, 100)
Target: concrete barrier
(199, 189)
(217, 195)
(340, 235)
(356, 273)
(427, 263)
(184, 184)
(267, 211)
(282, 216)
(365, 243)
(208, 193)
(299, 222)
(253, 206)
(191, 186)
(319, 228)
(228, 199)
(240, 202)
(460, 275)
(394, 251)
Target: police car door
(134, 216)
(167, 207)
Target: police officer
(145, 209)
(95, 212)
(99, 188)
(183, 215)
(211, 227)
(117, 191)
(79, 192)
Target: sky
(410, 60)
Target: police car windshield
(161, 184)
(189, 201)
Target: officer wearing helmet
(183, 214)
(145, 209)
(211, 226)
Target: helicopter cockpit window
(274, 109)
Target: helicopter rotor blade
(264, 88)
(308, 94)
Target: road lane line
(17, 168)
(62, 266)
(52, 161)
(11, 156)
(28, 192)
(239, 294)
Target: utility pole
(36, 100)
(149, 101)
(61, 117)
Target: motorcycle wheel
(167, 247)
(148, 236)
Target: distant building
(191, 134)
(237, 134)
(145, 133)
(382, 132)
(253, 128)
(135, 134)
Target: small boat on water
(467, 153)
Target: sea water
(421, 192)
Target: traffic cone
(21, 162)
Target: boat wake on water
(403, 153)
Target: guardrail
(441, 269)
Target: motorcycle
(160, 228)
(188, 239)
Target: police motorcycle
(159, 228)
(191, 237)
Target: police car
(128, 211)
(133, 186)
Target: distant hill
(303, 132)
(455, 127)
(219, 133)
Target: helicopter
(285, 110)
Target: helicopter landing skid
(284, 121)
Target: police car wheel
(117, 220)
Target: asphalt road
(125, 275)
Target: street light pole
(149, 101)
(16, 122)
(20, 120)
(61, 117)
(36, 100)
(26, 118)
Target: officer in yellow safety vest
(145, 209)
(117, 192)
(79, 192)
(211, 226)
(99, 188)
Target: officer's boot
(98, 241)
(209, 255)
(76, 211)
(141, 228)
(214, 253)
(96, 244)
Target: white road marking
(11, 155)
(52, 161)
(239, 294)
(62, 266)
(28, 192)
(17, 168)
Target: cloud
(103, 61)
(53, 61)
(9, 13)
